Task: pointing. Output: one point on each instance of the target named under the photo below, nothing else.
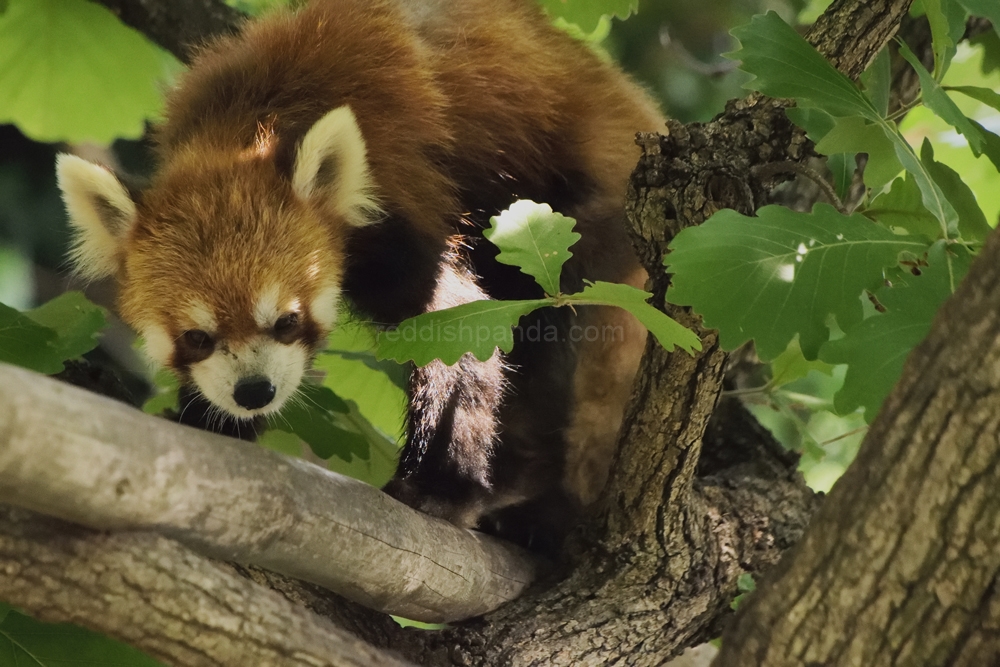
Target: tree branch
(179, 26)
(153, 593)
(84, 458)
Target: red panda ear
(101, 213)
(331, 166)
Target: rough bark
(900, 567)
(850, 34)
(88, 459)
(145, 590)
(647, 605)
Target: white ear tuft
(100, 212)
(331, 165)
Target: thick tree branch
(648, 604)
(84, 458)
(153, 593)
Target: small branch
(87, 459)
(179, 26)
(158, 596)
(772, 169)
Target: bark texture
(646, 604)
(152, 593)
(901, 565)
(88, 459)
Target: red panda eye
(286, 324)
(198, 339)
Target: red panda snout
(244, 348)
(253, 378)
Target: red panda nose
(253, 393)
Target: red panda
(351, 152)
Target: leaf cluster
(831, 287)
(536, 239)
(42, 339)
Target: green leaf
(991, 144)
(971, 220)
(41, 339)
(851, 134)
(987, 8)
(478, 328)
(780, 274)
(942, 42)
(842, 166)
(745, 584)
(790, 366)
(535, 239)
(930, 192)
(25, 642)
(902, 208)
(352, 370)
(877, 80)
(876, 348)
(165, 393)
(26, 343)
(588, 13)
(70, 71)
(377, 387)
(328, 424)
(985, 95)
(667, 331)
(785, 65)
(817, 124)
(937, 100)
(76, 321)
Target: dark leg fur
(391, 271)
(444, 469)
(540, 525)
(484, 437)
(459, 463)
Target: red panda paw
(464, 513)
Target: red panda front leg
(452, 426)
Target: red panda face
(230, 271)
(232, 281)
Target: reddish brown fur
(461, 105)
(481, 88)
(200, 233)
